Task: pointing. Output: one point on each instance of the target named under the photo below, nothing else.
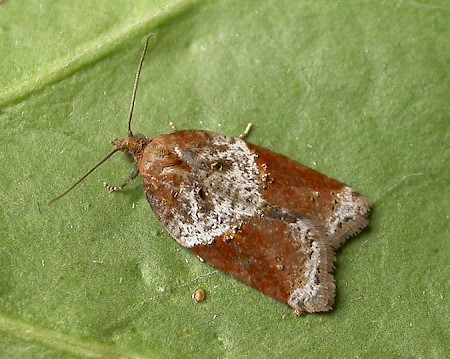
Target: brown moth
(264, 219)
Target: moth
(264, 219)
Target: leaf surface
(356, 90)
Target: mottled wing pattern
(266, 220)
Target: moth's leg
(246, 131)
(121, 187)
(172, 126)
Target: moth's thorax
(172, 157)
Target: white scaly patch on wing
(316, 292)
(234, 194)
(349, 207)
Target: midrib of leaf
(94, 51)
(61, 342)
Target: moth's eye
(128, 155)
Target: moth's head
(131, 146)
(121, 144)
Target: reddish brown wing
(266, 220)
(288, 184)
(278, 259)
(268, 254)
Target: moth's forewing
(264, 219)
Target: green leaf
(356, 90)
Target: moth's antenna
(136, 81)
(130, 115)
(82, 178)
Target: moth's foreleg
(111, 188)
